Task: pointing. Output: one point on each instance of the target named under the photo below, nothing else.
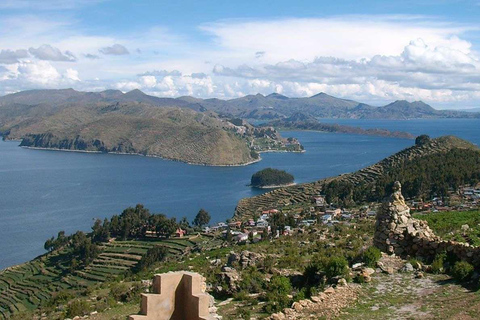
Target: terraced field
(279, 198)
(27, 286)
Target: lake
(42, 192)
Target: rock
(342, 282)
(278, 316)
(244, 259)
(407, 267)
(316, 299)
(419, 275)
(329, 290)
(389, 270)
(297, 306)
(357, 265)
(368, 271)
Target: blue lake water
(42, 192)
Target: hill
(301, 121)
(322, 105)
(134, 123)
(424, 169)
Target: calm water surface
(42, 192)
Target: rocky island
(271, 178)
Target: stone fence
(396, 232)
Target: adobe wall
(176, 296)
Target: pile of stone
(328, 304)
(396, 232)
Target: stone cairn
(396, 232)
(177, 296)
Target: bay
(42, 192)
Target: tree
(49, 244)
(422, 139)
(202, 218)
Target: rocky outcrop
(396, 232)
(244, 259)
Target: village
(288, 220)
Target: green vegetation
(202, 218)
(462, 270)
(449, 224)
(424, 170)
(371, 256)
(271, 177)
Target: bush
(462, 271)
(77, 308)
(277, 294)
(371, 256)
(437, 264)
(336, 266)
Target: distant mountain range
(272, 106)
(276, 106)
(187, 129)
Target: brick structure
(176, 296)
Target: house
(334, 212)
(371, 213)
(319, 201)
(235, 225)
(222, 225)
(180, 233)
(326, 218)
(262, 224)
(241, 237)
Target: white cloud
(72, 74)
(116, 49)
(347, 37)
(47, 52)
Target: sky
(369, 51)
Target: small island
(271, 178)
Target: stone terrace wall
(396, 232)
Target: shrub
(336, 266)
(462, 270)
(437, 264)
(371, 256)
(277, 294)
(77, 308)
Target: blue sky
(370, 51)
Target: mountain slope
(111, 121)
(372, 181)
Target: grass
(32, 284)
(448, 225)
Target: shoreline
(275, 186)
(145, 155)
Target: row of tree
(423, 178)
(133, 223)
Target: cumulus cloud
(198, 75)
(47, 52)
(162, 73)
(418, 69)
(91, 56)
(259, 54)
(363, 35)
(10, 56)
(116, 50)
